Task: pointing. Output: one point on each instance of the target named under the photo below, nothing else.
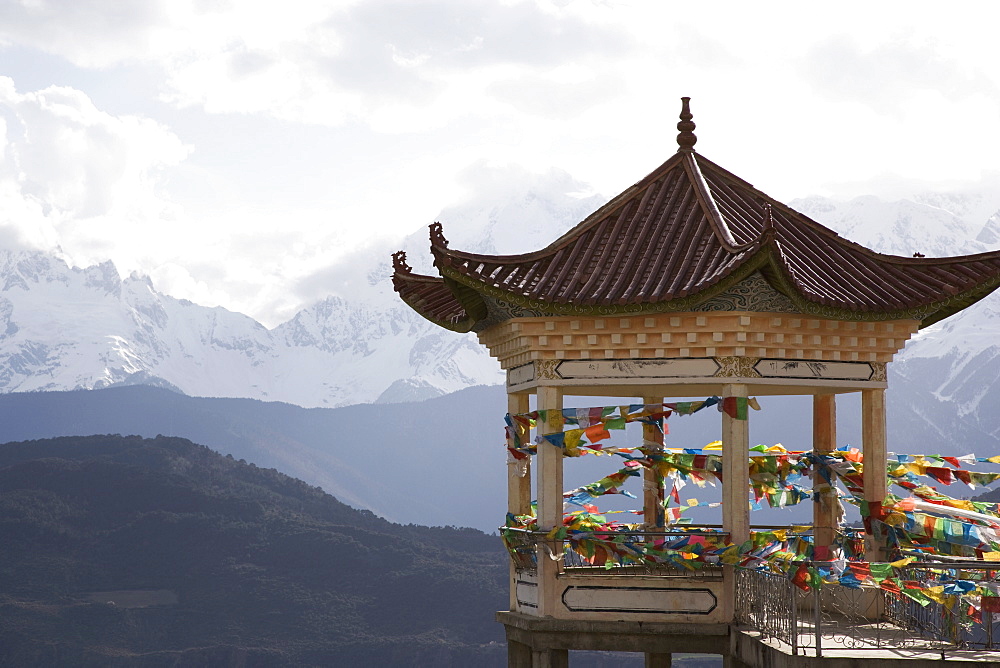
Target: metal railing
(765, 602)
(522, 547)
(950, 623)
(832, 616)
(613, 552)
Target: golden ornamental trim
(879, 374)
(737, 367)
(546, 369)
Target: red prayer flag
(976, 615)
(735, 407)
(991, 603)
(860, 569)
(889, 585)
(600, 556)
(801, 578)
(940, 473)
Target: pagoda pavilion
(689, 283)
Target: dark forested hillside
(335, 448)
(440, 461)
(148, 552)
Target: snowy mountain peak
(990, 234)
(902, 227)
(64, 327)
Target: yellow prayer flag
(692, 502)
(936, 594)
(902, 562)
(572, 437)
(991, 556)
(714, 445)
(894, 519)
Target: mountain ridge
(64, 328)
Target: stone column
(518, 654)
(735, 486)
(824, 441)
(874, 441)
(652, 487)
(729, 661)
(518, 479)
(550, 499)
(550, 658)
(735, 467)
(519, 471)
(658, 660)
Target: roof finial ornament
(399, 263)
(437, 235)
(768, 216)
(686, 139)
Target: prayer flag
(940, 473)
(597, 433)
(991, 603)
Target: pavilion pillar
(658, 660)
(825, 506)
(735, 476)
(518, 654)
(874, 442)
(518, 478)
(735, 483)
(518, 470)
(652, 484)
(550, 498)
(550, 658)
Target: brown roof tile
(684, 233)
(429, 296)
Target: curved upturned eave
(918, 273)
(405, 286)
(782, 279)
(767, 259)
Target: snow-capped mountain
(66, 328)
(942, 383)
(71, 328)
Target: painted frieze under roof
(691, 236)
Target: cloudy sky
(232, 149)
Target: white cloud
(316, 127)
(96, 33)
(77, 176)
(397, 64)
(93, 186)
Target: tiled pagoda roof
(683, 234)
